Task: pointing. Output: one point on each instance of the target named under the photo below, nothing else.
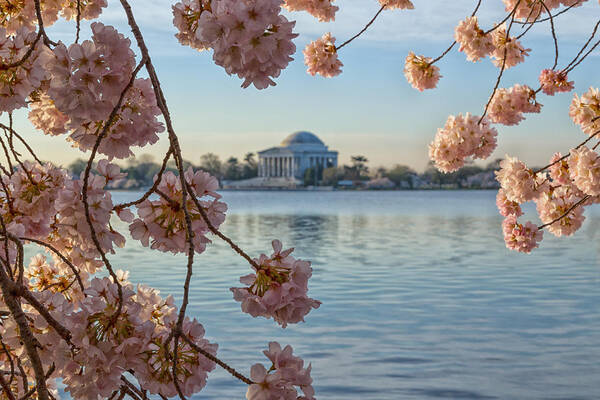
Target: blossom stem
(214, 359)
(574, 206)
(568, 154)
(362, 30)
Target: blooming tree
(69, 314)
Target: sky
(369, 109)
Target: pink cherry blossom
(161, 223)
(278, 288)
(508, 105)
(86, 83)
(33, 191)
(287, 372)
(17, 83)
(397, 4)
(472, 39)
(155, 370)
(507, 48)
(90, 9)
(530, 10)
(584, 168)
(517, 181)
(585, 111)
(507, 207)
(553, 204)
(186, 15)
(519, 237)
(462, 137)
(323, 10)
(72, 234)
(321, 57)
(554, 82)
(250, 39)
(44, 115)
(420, 73)
(559, 171)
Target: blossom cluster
(473, 41)
(106, 341)
(21, 13)
(508, 51)
(18, 82)
(504, 50)
(508, 105)
(278, 288)
(530, 10)
(420, 72)
(462, 137)
(397, 4)
(161, 223)
(280, 381)
(555, 82)
(250, 39)
(560, 194)
(321, 57)
(323, 10)
(585, 111)
(519, 237)
(85, 84)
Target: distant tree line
(400, 175)
(141, 170)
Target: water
(421, 300)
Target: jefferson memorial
(297, 153)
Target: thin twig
(157, 181)
(217, 361)
(362, 30)
(574, 206)
(566, 155)
(86, 178)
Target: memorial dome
(302, 137)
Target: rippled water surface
(421, 300)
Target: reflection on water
(420, 298)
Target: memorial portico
(297, 153)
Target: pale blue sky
(370, 109)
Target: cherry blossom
(18, 82)
(472, 39)
(559, 170)
(507, 207)
(278, 288)
(321, 57)
(186, 15)
(161, 223)
(508, 48)
(554, 82)
(86, 83)
(585, 111)
(397, 4)
(250, 39)
(280, 381)
(462, 137)
(519, 237)
(518, 182)
(584, 168)
(420, 73)
(554, 205)
(323, 10)
(508, 105)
